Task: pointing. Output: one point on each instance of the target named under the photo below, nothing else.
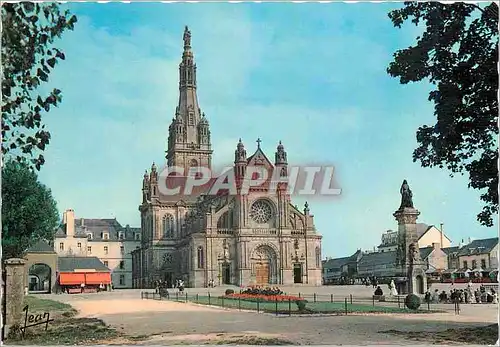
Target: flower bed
(262, 297)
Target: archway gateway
(39, 277)
(264, 266)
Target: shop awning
(90, 278)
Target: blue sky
(311, 75)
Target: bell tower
(189, 133)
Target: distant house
(378, 264)
(427, 236)
(105, 239)
(479, 255)
(335, 269)
(435, 259)
(452, 257)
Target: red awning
(71, 278)
(98, 278)
(89, 278)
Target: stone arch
(193, 163)
(296, 222)
(264, 264)
(168, 226)
(225, 221)
(40, 278)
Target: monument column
(408, 253)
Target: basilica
(220, 238)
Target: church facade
(241, 239)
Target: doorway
(420, 284)
(297, 273)
(226, 273)
(262, 273)
(167, 277)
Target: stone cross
(258, 142)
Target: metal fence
(311, 303)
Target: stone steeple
(189, 134)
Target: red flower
(262, 297)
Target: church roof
(173, 182)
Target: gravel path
(166, 321)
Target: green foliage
(28, 56)
(229, 291)
(301, 305)
(29, 211)
(412, 301)
(458, 54)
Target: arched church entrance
(264, 265)
(420, 284)
(39, 277)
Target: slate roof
(425, 252)
(449, 250)
(338, 262)
(41, 247)
(69, 264)
(377, 258)
(96, 227)
(483, 246)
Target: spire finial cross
(258, 142)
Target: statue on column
(413, 253)
(406, 196)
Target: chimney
(70, 223)
(64, 218)
(82, 222)
(441, 227)
(469, 240)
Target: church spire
(189, 134)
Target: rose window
(261, 212)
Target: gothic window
(261, 211)
(225, 221)
(168, 226)
(191, 118)
(201, 259)
(318, 257)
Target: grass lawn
(291, 307)
(66, 329)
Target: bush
(229, 291)
(301, 304)
(412, 301)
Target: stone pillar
(14, 291)
(408, 254)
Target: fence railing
(311, 303)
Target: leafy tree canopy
(458, 54)
(29, 211)
(28, 56)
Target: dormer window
(121, 236)
(138, 237)
(89, 236)
(105, 236)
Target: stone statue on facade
(406, 196)
(225, 248)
